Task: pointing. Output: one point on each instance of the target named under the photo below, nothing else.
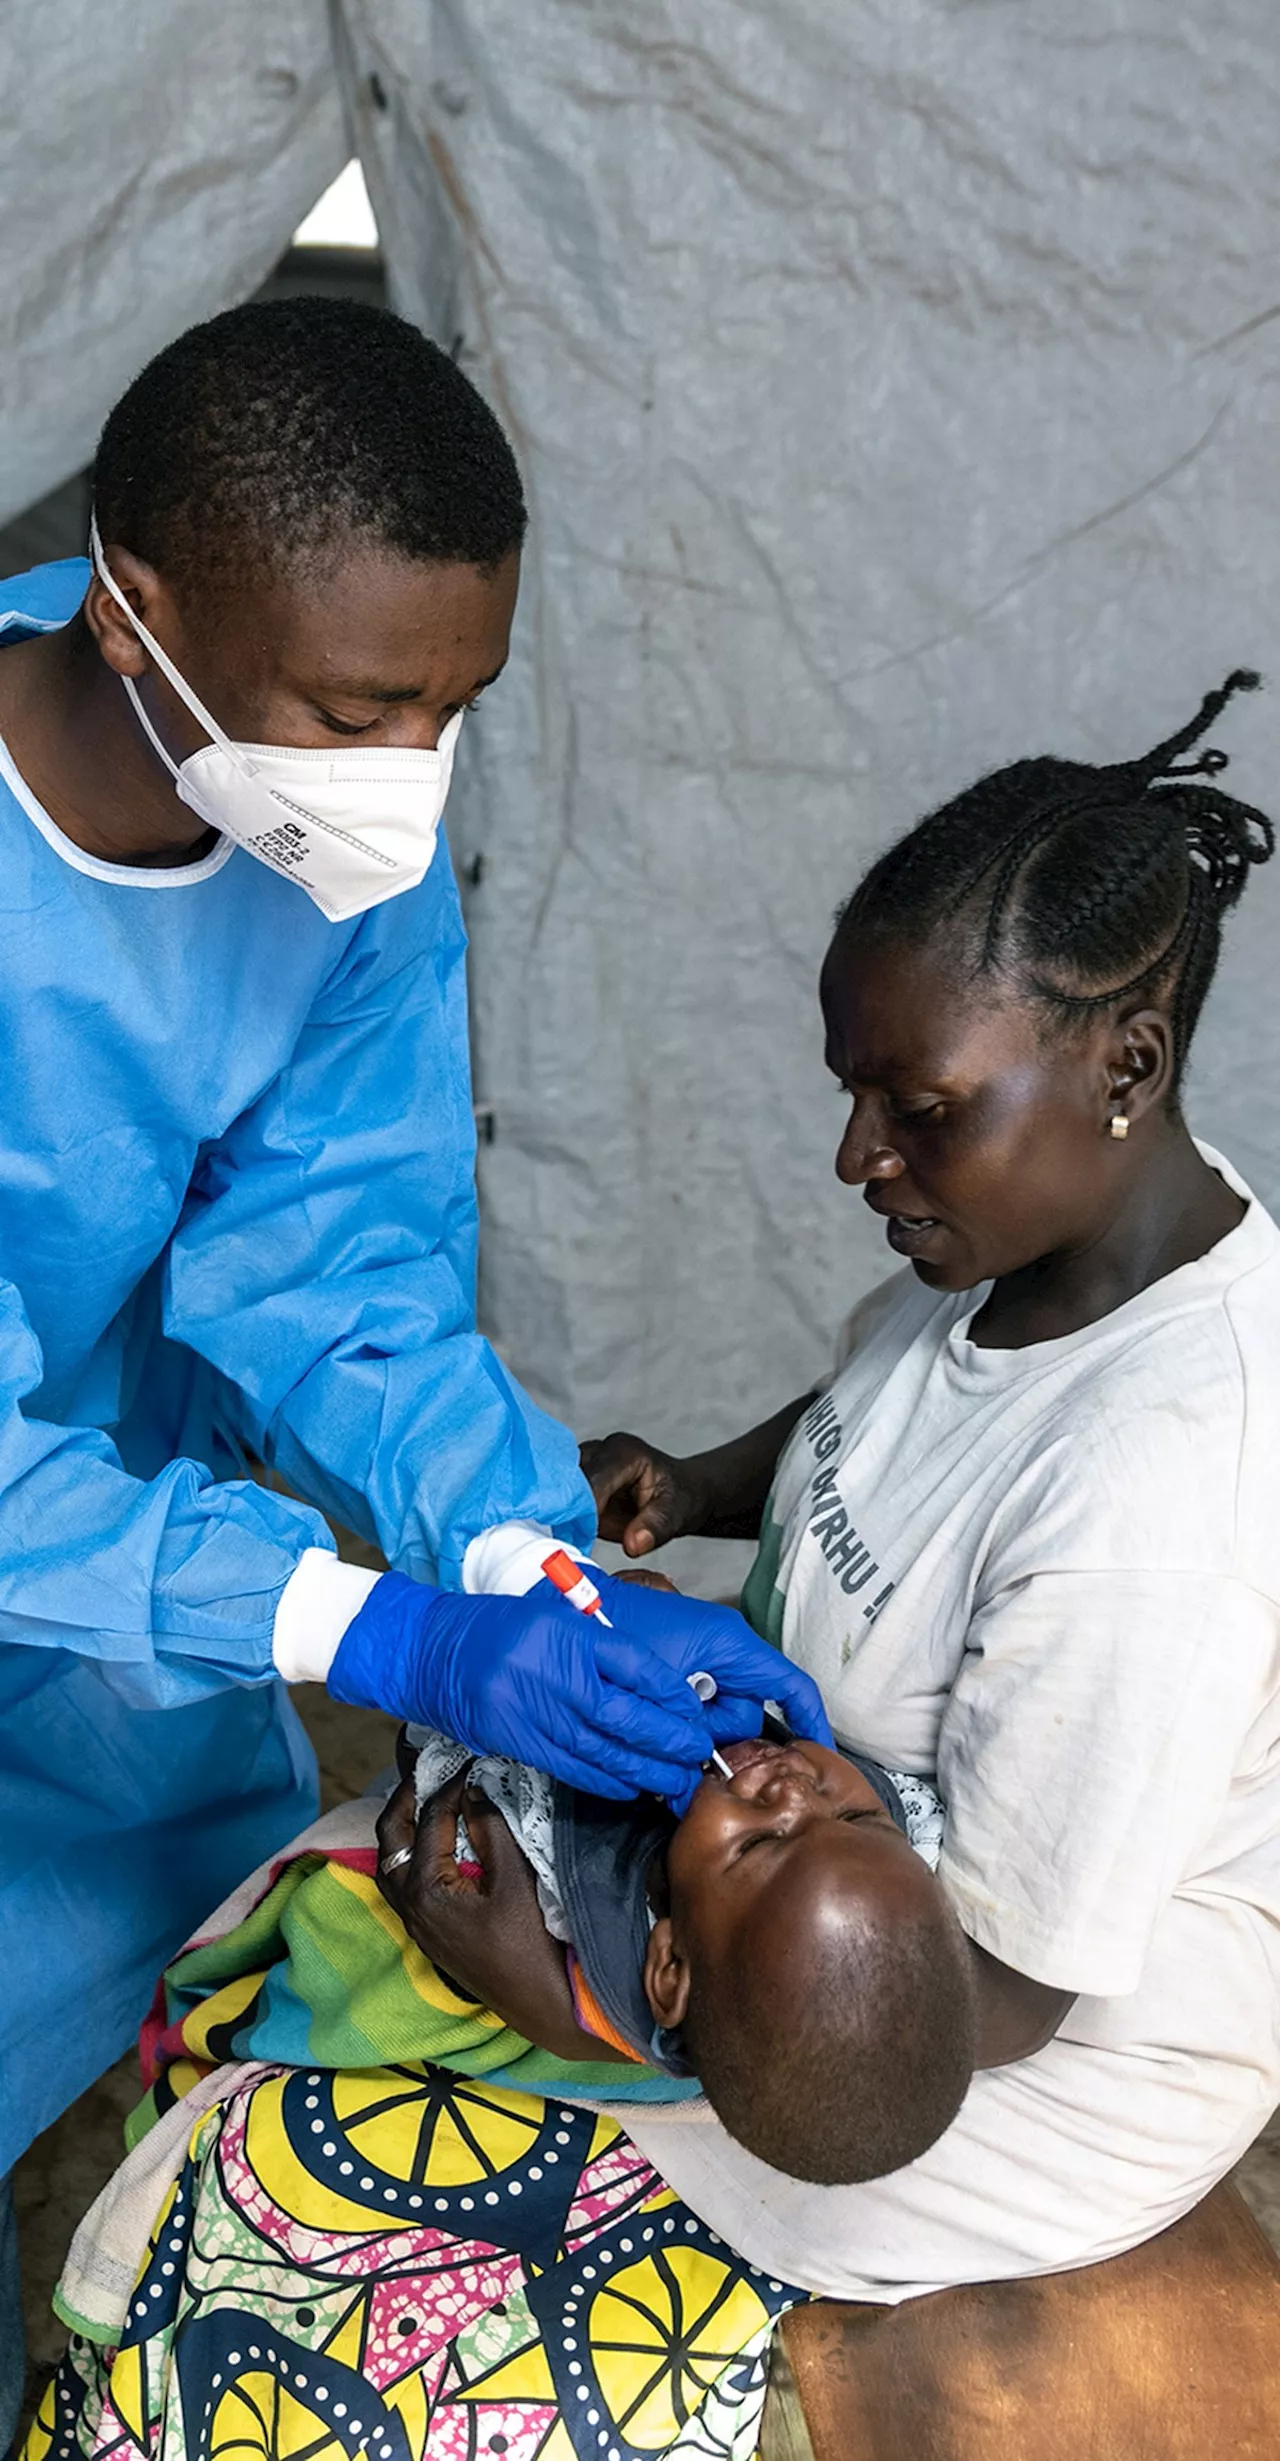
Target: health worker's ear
(666, 1975)
(118, 642)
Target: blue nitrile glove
(692, 1638)
(532, 1678)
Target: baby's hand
(647, 1580)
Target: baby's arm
(486, 1937)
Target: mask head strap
(165, 664)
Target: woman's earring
(1119, 1124)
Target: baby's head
(821, 1980)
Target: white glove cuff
(510, 1557)
(318, 1601)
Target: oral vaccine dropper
(575, 1584)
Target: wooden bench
(1171, 2353)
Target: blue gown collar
(43, 599)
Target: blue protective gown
(237, 1206)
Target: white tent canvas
(896, 392)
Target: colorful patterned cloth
(402, 2265)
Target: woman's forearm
(1016, 2016)
(544, 2013)
(737, 1476)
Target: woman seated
(1027, 1542)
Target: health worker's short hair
(284, 427)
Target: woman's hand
(486, 1937)
(644, 1497)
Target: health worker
(237, 1204)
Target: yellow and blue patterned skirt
(400, 2264)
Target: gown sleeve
(170, 1583)
(325, 1264)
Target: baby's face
(796, 1838)
(744, 1834)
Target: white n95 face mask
(353, 828)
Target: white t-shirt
(1052, 1575)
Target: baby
(784, 1942)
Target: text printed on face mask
(285, 845)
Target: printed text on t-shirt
(848, 1555)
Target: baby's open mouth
(745, 1755)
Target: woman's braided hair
(1083, 885)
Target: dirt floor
(65, 2168)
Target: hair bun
(1224, 839)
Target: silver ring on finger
(396, 1861)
